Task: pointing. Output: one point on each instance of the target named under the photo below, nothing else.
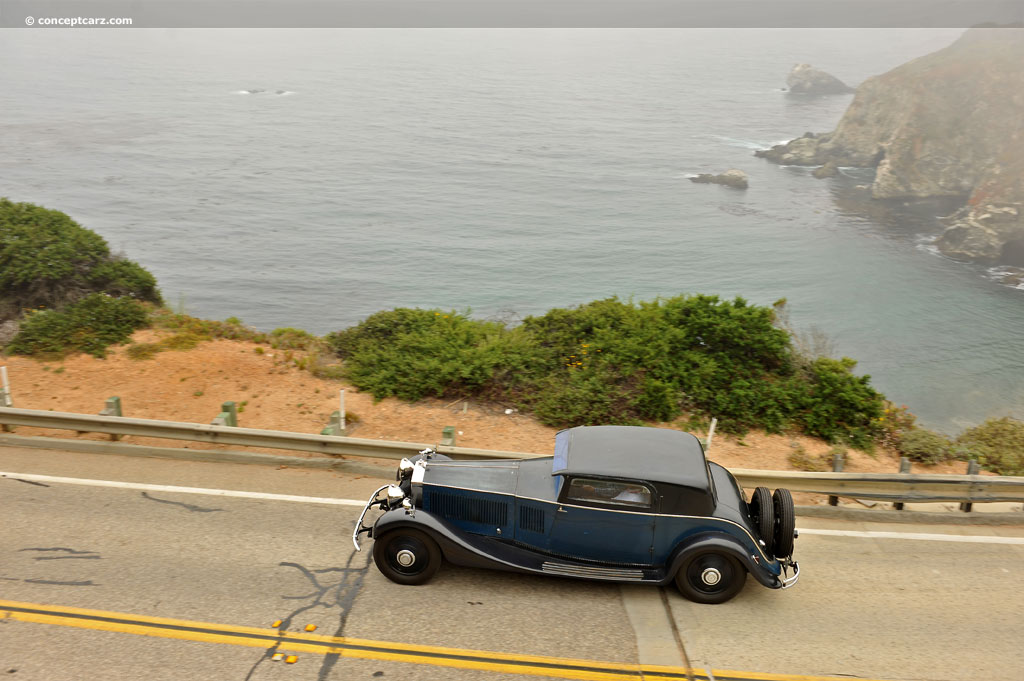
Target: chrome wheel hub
(711, 576)
(405, 558)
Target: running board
(617, 574)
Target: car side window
(609, 492)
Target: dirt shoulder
(191, 385)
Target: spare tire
(763, 514)
(785, 523)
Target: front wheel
(710, 577)
(407, 556)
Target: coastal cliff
(950, 123)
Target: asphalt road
(867, 606)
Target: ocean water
(311, 178)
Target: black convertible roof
(655, 454)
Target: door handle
(562, 510)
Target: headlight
(395, 494)
(404, 468)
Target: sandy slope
(190, 386)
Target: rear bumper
(787, 579)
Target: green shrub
(205, 329)
(925, 446)
(383, 327)
(802, 460)
(288, 338)
(141, 351)
(48, 260)
(997, 444)
(125, 278)
(840, 405)
(581, 399)
(612, 361)
(90, 325)
(181, 341)
(426, 353)
(893, 423)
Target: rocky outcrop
(737, 179)
(830, 169)
(804, 79)
(8, 330)
(947, 124)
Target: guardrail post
(112, 408)
(972, 469)
(448, 436)
(904, 468)
(228, 415)
(5, 397)
(341, 411)
(335, 426)
(711, 433)
(837, 467)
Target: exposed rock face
(804, 79)
(947, 124)
(8, 330)
(730, 178)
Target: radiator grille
(458, 507)
(531, 519)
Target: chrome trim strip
(359, 523)
(466, 464)
(472, 489)
(599, 573)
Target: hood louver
(457, 507)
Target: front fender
(766, 574)
(454, 547)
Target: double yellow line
(533, 665)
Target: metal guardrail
(876, 486)
(905, 487)
(231, 435)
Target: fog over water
(311, 178)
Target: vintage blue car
(614, 503)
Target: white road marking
(972, 539)
(183, 490)
(966, 538)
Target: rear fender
(765, 573)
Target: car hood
(498, 477)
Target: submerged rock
(830, 169)
(804, 79)
(947, 124)
(1015, 278)
(730, 178)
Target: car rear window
(610, 492)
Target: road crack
(188, 507)
(332, 594)
(71, 554)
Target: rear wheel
(710, 577)
(763, 514)
(407, 556)
(785, 522)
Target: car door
(611, 521)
